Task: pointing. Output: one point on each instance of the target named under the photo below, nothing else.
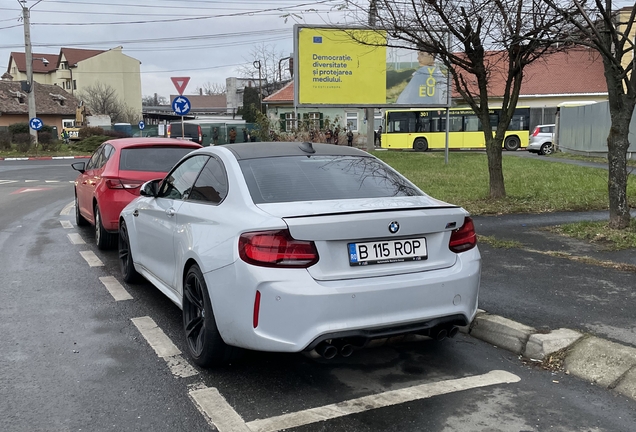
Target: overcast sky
(205, 40)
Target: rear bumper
(296, 312)
(111, 206)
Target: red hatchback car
(113, 175)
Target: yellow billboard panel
(336, 68)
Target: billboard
(353, 67)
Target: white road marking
(91, 259)
(51, 181)
(75, 238)
(180, 367)
(67, 209)
(115, 289)
(62, 157)
(30, 181)
(157, 339)
(66, 224)
(218, 412)
(8, 181)
(222, 416)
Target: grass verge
(599, 233)
(499, 243)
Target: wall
(584, 130)
(50, 120)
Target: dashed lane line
(51, 181)
(67, 209)
(66, 224)
(91, 259)
(222, 416)
(164, 347)
(76, 238)
(115, 289)
(8, 181)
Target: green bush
(87, 132)
(23, 141)
(89, 144)
(44, 137)
(115, 134)
(19, 128)
(5, 140)
(50, 144)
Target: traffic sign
(36, 123)
(181, 105)
(142, 125)
(180, 83)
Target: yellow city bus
(425, 128)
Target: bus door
(400, 127)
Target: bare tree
(209, 88)
(481, 42)
(101, 98)
(610, 33)
(274, 67)
(154, 100)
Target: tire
(203, 340)
(79, 219)
(546, 149)
(420, 145)
(126, 265)
(512, 143)
(103, 238)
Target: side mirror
(150, 188)
(79, 166)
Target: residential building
(76, 69)
(235, 87)
(53, 104)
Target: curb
(598, 361)
(42, 158)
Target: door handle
(170, 212)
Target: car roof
(278, 149)
(153, 141)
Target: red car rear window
(156, 159)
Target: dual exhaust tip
(328, 350)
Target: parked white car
(541, 140)
(294, 247)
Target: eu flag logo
(317, 39)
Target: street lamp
(257, 65)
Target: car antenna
(307, 147)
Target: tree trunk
(495, 170)
(617, 145)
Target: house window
(14, 70)
(64, 65)
(352, 121)
(68, 84)
(290, 121)
(74, 85)
(314, 120)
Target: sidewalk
(560, 300)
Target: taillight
(257, 308)
(200, 134)
(122, 184)
(463, 238)
(276, 249)
(536, 131)
(169, 130)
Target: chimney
(201, 91)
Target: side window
(211, 186)
(92, 163)
(109, 150)
(178, 184)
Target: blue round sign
(142, 125)
(36, 124)
(181, 105)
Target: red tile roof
(205, 101)
(38, 66)
(76, 55)
(286, 94)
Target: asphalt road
(71, 357)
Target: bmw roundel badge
(394, 227)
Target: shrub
(19, 128)
(44, 137)
(5, 140)
(22, 141)
(115, 134)
(87, 132)
(89, 144)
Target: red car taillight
(168, 130)
(115, 183)
(536, 131)
(200, 134)
(463, 238)
(276, 249)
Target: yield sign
(180, 83)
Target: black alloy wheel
(204, 342)
(126, 265)
(512, 143)
(79, 219)
(420, 145)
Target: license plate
(386, 252)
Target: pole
(29, 69)
(448, 103)
(369, 111)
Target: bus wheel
(512, 143)
(420, 145)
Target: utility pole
(370, 115)
(29, 67)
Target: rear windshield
(315, 178)
(157, 159)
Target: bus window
(471, 123)
(455, 123)
(401, 122)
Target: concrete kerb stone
(542, 344)
(501, 332)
